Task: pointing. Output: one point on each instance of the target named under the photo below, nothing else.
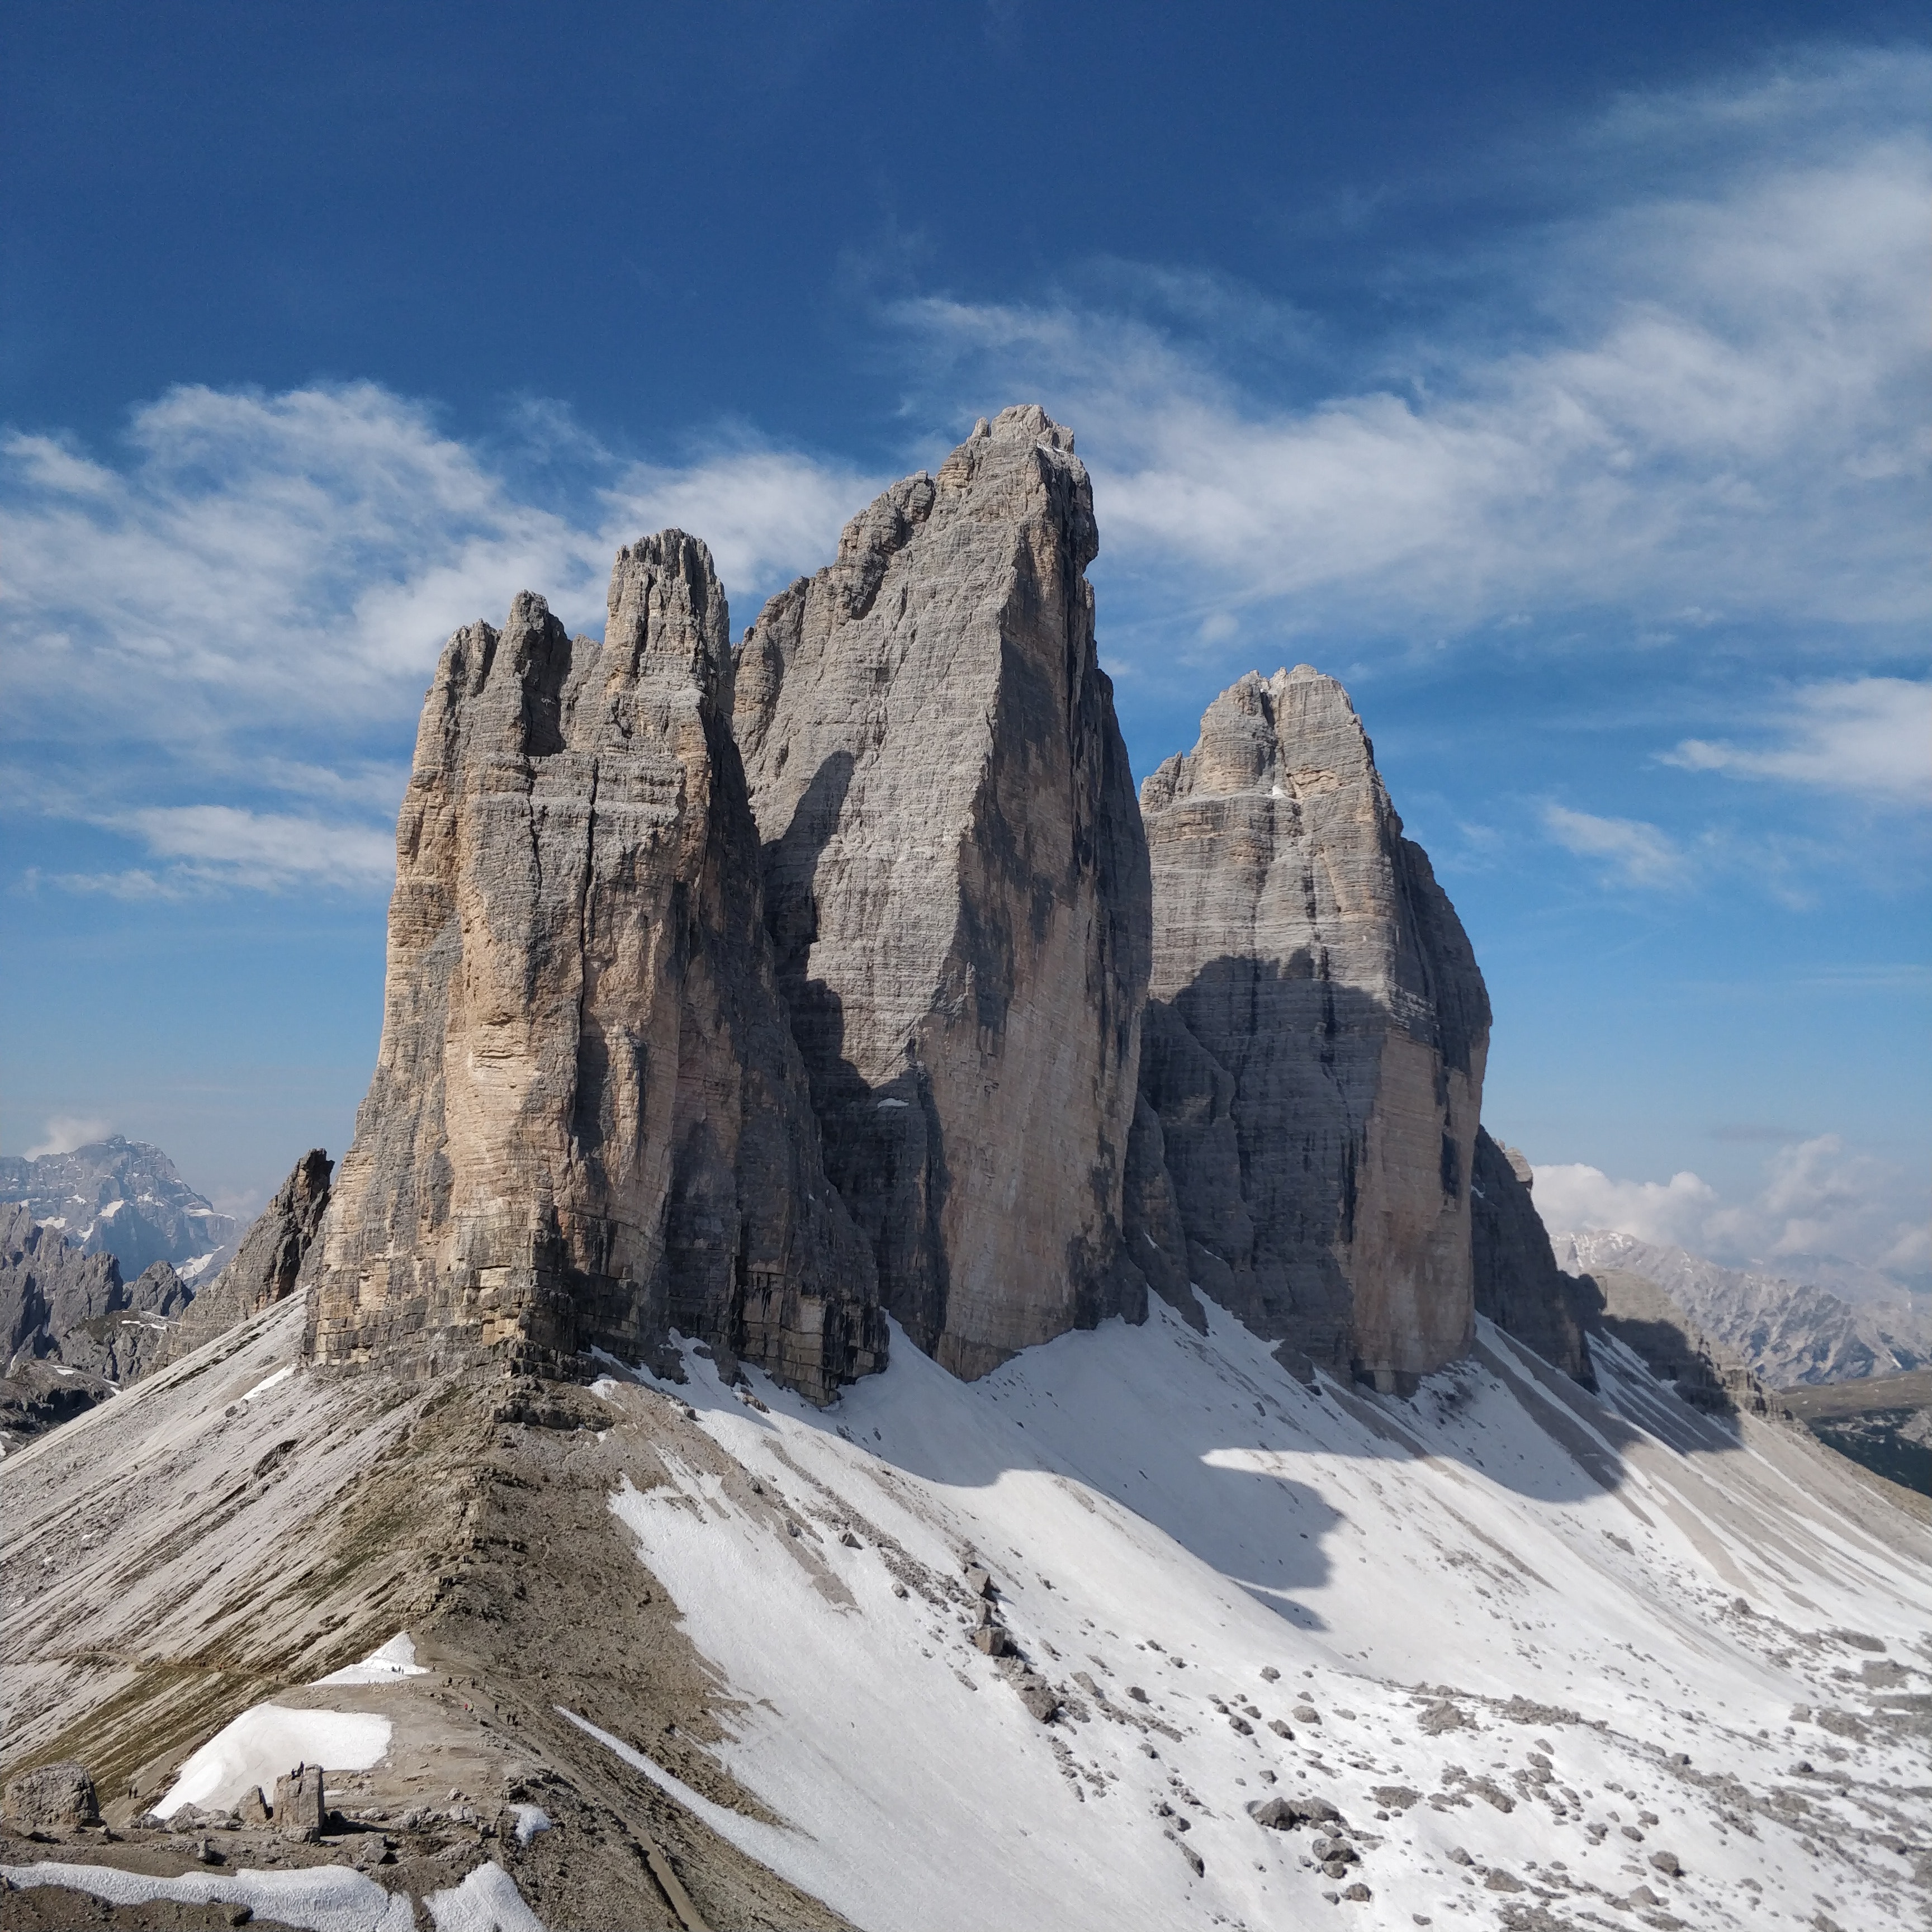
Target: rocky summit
(957, 889)
(1315, 1040)
(589, 1124)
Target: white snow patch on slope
(1176, 1513)
(487, 1900)
(317, 1898)
(396, 1658)
(269, 1381)
(267, 1742)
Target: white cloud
(226, 845)
(1818, 1199)
(1701, 402)
(266, 582)
(66, 1131)
(1633, 853)
(1870, 736)
(1575, 1198)
(307, 553)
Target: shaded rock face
(1646, 1319)
(956, 886)
(48, 1285)
(268, 1263)
(1315, 1045)
(588, 1123)
(1518, 1285)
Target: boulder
(956, 884)
(55, 1797)
(1315, 1043)
(300, 1809)
(589, 1124)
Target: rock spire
(957, 887)
(589, 1124)
(1315, 1045)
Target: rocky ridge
(1519, 1286)
(125, 1198)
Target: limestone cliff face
(588, 1122)
(956, 884)
(1315, 1041)
(1519, 1286)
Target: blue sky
(1556, 377)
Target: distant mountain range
(125, 1198)
(1788, 1331)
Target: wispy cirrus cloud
(1870, 737)
(237, 615)
(1693, 404)
(1629, 851)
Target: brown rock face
(1314, 1044)
(956, 884)
(588, 1124)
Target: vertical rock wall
(588, 1122)
(957, 888)
(1519, 1286)
(1314, 1044)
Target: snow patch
(266, 1743)
(487, 1900)
(397, 1658)
(531, 1819)
(269, 1381)
(318, 1898)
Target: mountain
(589, 1122)
(905, 1339)
(957, 885)
(70, 1328)
(1787, 1332)
(1315, 1038)
(122, 1198)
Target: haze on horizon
(1556, 383)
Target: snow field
(1174, 1513)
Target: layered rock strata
(1315, 1044)
(957, 890)
(589, 1124)
(1518, 1285)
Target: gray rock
(1518, 1285)
(957, 888)
(1786, 1329)
(268, 1263)
(254, 1809)
(1667, 1863)
(301, 1811)
(589, 1124)
(1315, 1043)
(55, 1797)
(49, 1285)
